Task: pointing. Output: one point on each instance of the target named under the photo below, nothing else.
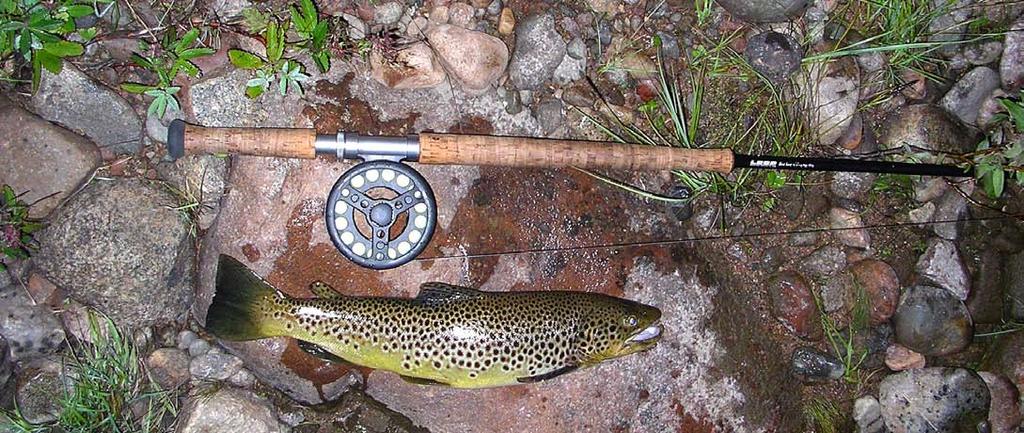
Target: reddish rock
(1004, 413)
(793, 304)
(899, 358)
(881, 285)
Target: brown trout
(447, 335)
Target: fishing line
(666, 242)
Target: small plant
(38, 31)
(289, 73)
(15, 227)
(899, 186)
(313, 32)
(824, 414)
(175, 55)
(704, 9)
(1003, 150)
(107, 380)
(844, 343)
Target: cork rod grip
(533, 152)
(183, 138)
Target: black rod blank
(849, 165)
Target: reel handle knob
(183, 138)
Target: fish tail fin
(239, 309)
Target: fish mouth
(646, 336)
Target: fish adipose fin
(235, 312)
(548, 375)
(324, 291)
(320, 352)
(441, 292)
(422, 381)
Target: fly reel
(381, 214)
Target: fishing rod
(381, 213)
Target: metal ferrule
(348, 145)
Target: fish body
(450, 335)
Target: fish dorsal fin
(323, 290)
(422, 381)
(320, 352)
(548, 375)
(441, 292)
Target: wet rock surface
(1011, 65)
(793, 304)
(775, 55)
(899, 358)
(930, 320)
(881, 285)
(79, 103)
(812, 365)
(933, 399)
(867, 414)
(130, 245)
(42, 160)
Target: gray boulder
(937, 399)
(118, 246)
(80, 104)
(941, 265)
(228, 410)
(204, 178)
(31, 330)
(927, 127)
(1011, 65)
(932, 321)
(538, 52)
(42, 160)
(967, 95)
(764, 11)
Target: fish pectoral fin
(422, 381)
(548, 375)
(324, 290)
(435, 292)
(320, 352)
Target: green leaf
(136, 88)
(88, 33)
(253, 92)
(193, 53)
(187, 40)
(993, 183)
(245, 60)
(275, 41)
(10, 25)
(49, 61)
(1016, 111)
(298, 19)
(158, 107)
(190, 69)
(322, 60)
(78, 11)
(309, 10)
(64, 48)
(142, 61)
(775, 180)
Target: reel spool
(381, 214)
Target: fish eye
(630, 321)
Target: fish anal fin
(421, 381)
(324, 290)
(548, 375)
(436, 292)
(320, 352)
